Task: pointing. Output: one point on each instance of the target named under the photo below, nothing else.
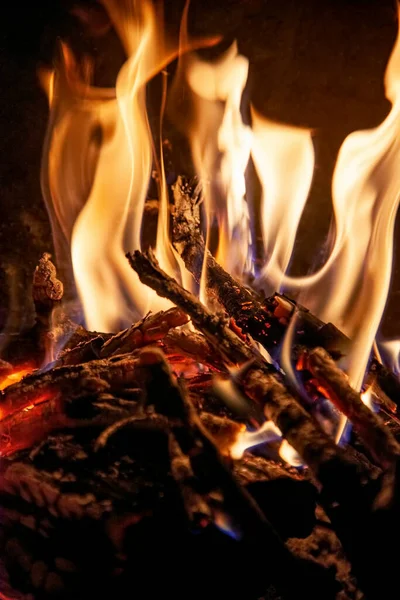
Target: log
(197, 465)
(66, 383)
(152, 328)
(194, 345)
(127, 503)
(213, 326)
(335, 386)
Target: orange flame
(220, 144)
(97, 163)
(351, 288)
(267, 433)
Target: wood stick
(213, 326)
(194, 345)
(65, 383)
(328, 462)
(335, 385)
(240, 303)
(152, 328)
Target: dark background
(313, 62)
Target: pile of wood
(116, 475)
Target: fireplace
(199, 391)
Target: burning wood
(334, 384)
(120, 389)
(132, 438)
(266, 320)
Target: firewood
(348, 489)
(329, 464)
(240, 303)
(197, 505)
(69, 382)
(47, 293)
(23, 428)
(265, 320)
(327, 461)
(47, 290)
(213, 326)
(209, 488)
(127, 507)
(84, 351)
(334, 384)
(194, 345)
(153, 327)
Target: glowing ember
(15, 377)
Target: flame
(284, 161)
(96, 168)
(390, 351)
(351, 288)
(97, 164)
(220, 144)
(366, 397)
(46, 79)
(267, 433)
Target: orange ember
(15, 376)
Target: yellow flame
(268, 432)
(97, 162)
(284, 160)
(46, 78)
(220, 144)
(350, 290)
(366, 397)
(97, 165)
(288, 454)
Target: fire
(220, 143)
(390, 351)
(284, 160)
(350, 290)
(97, 164)
(366, 397)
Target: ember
(134, 439)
